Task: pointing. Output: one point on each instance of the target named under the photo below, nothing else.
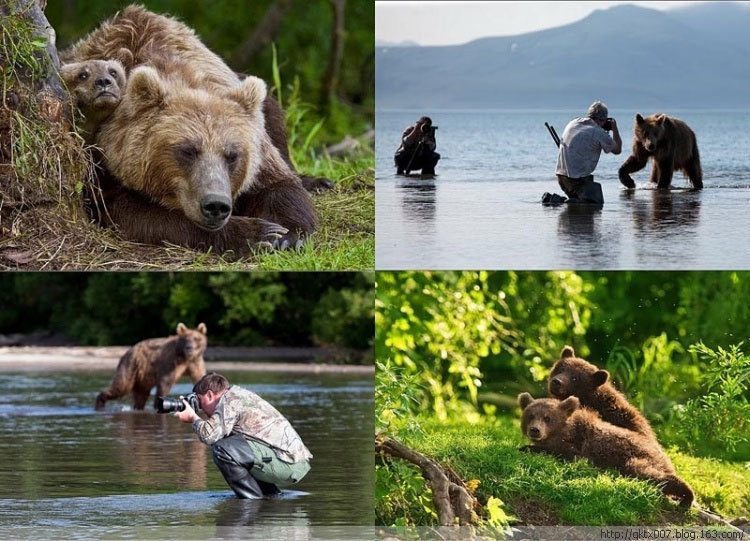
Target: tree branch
(451, 499)
(337, 49)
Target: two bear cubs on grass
(157, 362)
(192, 154)
(589, 418)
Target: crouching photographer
(253, 445)
(417, 149)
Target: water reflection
(673, 213)
(580, 234)
(418, 199)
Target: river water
(73, 472)
(483, 208)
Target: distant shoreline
(75, 359)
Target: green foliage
(238, 308)
(402, 497)
(718, 419)
(397, 397)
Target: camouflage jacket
(240, 411)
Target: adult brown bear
(672, 145)
(193, 155)
(157, 362)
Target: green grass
(540, 489)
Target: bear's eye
(574, 378)
(231, 157)
(83, 76)
(546, 419)
(188, 152)
(113, 73)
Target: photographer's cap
(598, 111)
(425, 120)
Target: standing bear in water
(157, 362)
(564, 429)
(193, 154)
(671, 144)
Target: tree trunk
(337, 49)
(263, 34)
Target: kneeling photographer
(253, 445)
(417, 149)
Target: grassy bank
(542, 490)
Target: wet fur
(567, 430)
(675, 149)
(157, 362)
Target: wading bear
(572, 376)
(157, 362)
(190, 153)
(563, 428)
(672, 146)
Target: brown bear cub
(157, 362)
(672, 145)
(572, 376)
(97, 86)
(563, 428)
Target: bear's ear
(70, 71)
(524, 399)
(662, 118)
(181, 329)
(250, 94)
(638, 118)
(567, 352)
(600, 377)
(570, 404)
(202, 328)
(145, 87)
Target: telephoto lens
(168, 404)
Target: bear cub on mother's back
(672, 145)
(572, 376)
(563, 428)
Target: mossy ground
(543, 490)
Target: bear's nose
(216, 207)
(103, 82)
(534, 432)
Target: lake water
(483, 208)
(69, 471)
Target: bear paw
(627, 181)
(316, 185)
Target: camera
(607, 125)
(168, 404)
(424, 128)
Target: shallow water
(71, 469)
(482, 210)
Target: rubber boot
(234, 458)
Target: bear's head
(186, 148)
(650, 130)
(96, 85)
(191, 343)
(572, 376)
(544, 417)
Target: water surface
(482, 210)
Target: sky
(449, 23)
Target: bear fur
(157, 362)
(97, 87)
(572, 376)
(671, 144)
(189, 156)
(563, 428)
